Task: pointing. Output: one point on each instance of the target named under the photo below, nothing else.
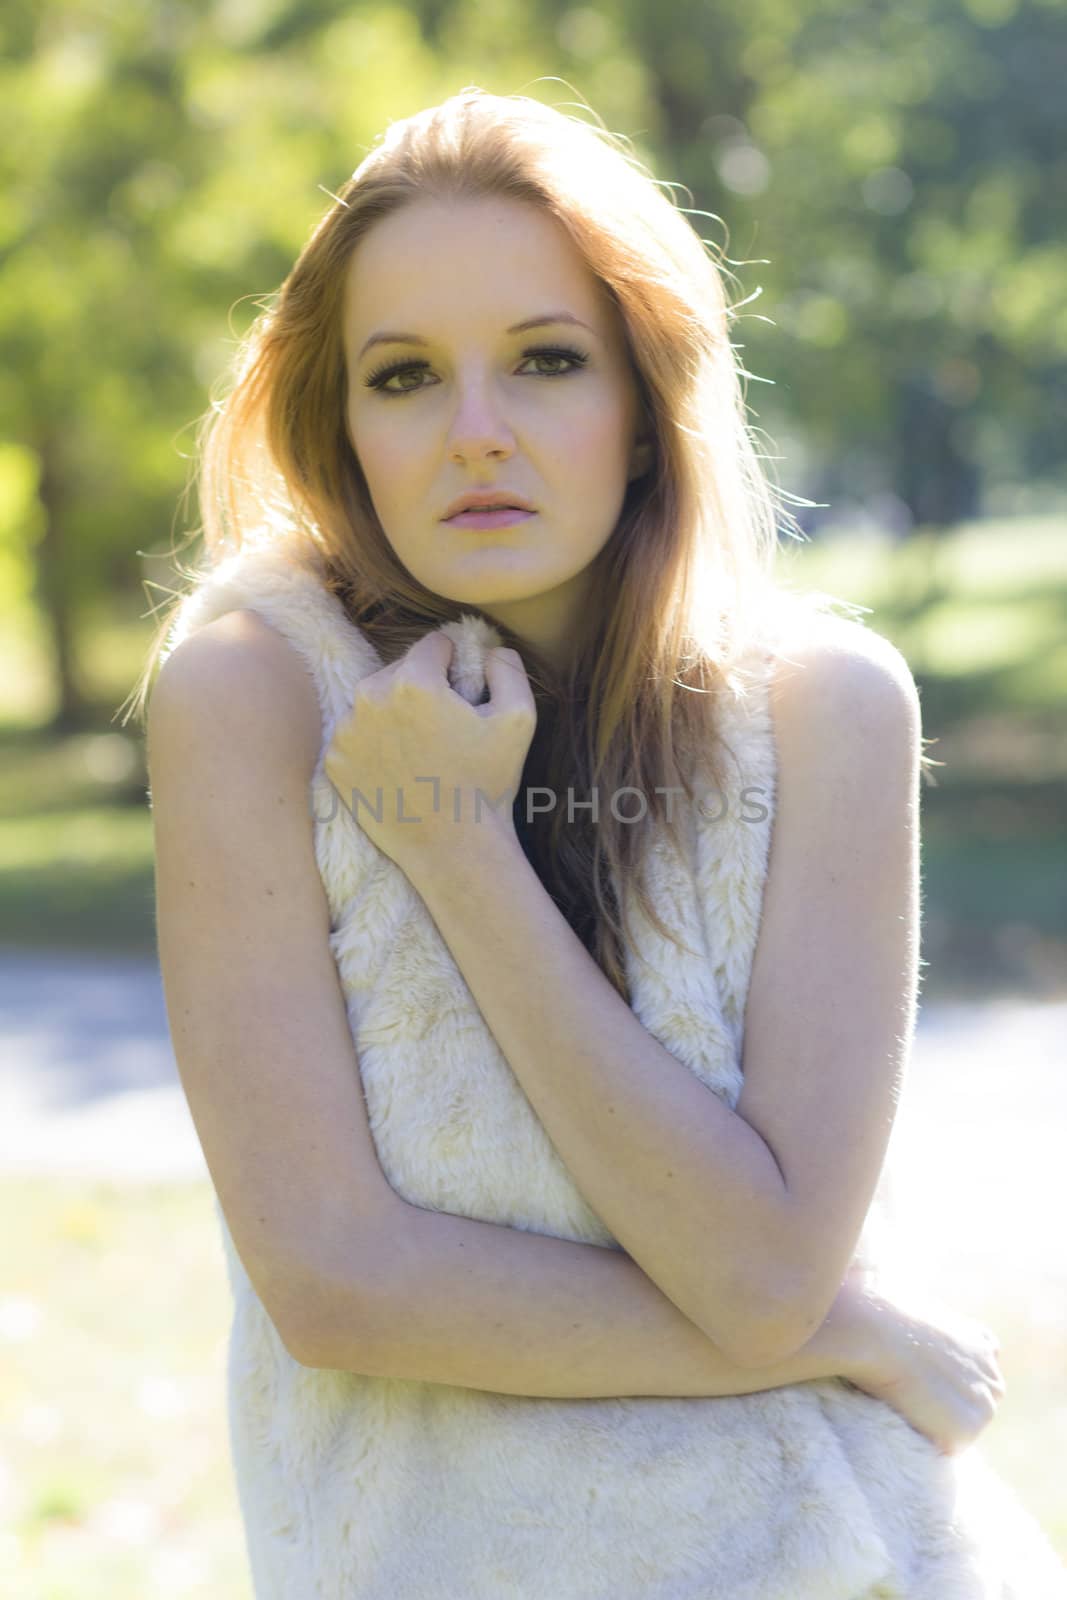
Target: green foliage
(20, 528)
(159, 167)
(899, 170)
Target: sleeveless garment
(361, 1488)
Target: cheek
(599, 441)
(380, 450)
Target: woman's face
(453, 402)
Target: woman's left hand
(435, 767)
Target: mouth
(489, 517)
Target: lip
(486, 500)
(494, 517)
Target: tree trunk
(72, 711)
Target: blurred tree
(904, 167)
(94, 321)
(158, 164)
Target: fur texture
(355, 1488)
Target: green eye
(379, 378)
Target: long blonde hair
(686, 579)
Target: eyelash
(377, 379)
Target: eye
(379, 378)
(544, 353)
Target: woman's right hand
(940, 1371)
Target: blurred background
(889, 184)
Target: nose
(478, 427)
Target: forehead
(473, 263)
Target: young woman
(539, 921)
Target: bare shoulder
(240, 684)
(256, 1008)
(830, 1005)
(833, 672)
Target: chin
(496, 588)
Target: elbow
(298, 1332)
(283, 1300)
(294, 1303)
(766, 1345)
(309, 1346)
(344, 1315)
(301, 1332)
(301, 1351)
(336, 1342)
(772, 1329)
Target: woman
(521, 1308)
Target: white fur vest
(357, 1488)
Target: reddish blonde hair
(685, 582)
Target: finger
(509, 687)
(429, 657)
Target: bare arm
(268, 1064)
(746, 1219)
(271, 1073)
(484, 1306)
(256, 1010)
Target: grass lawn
(113, 1316)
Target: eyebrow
(391, 337)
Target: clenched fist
(422, 770)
